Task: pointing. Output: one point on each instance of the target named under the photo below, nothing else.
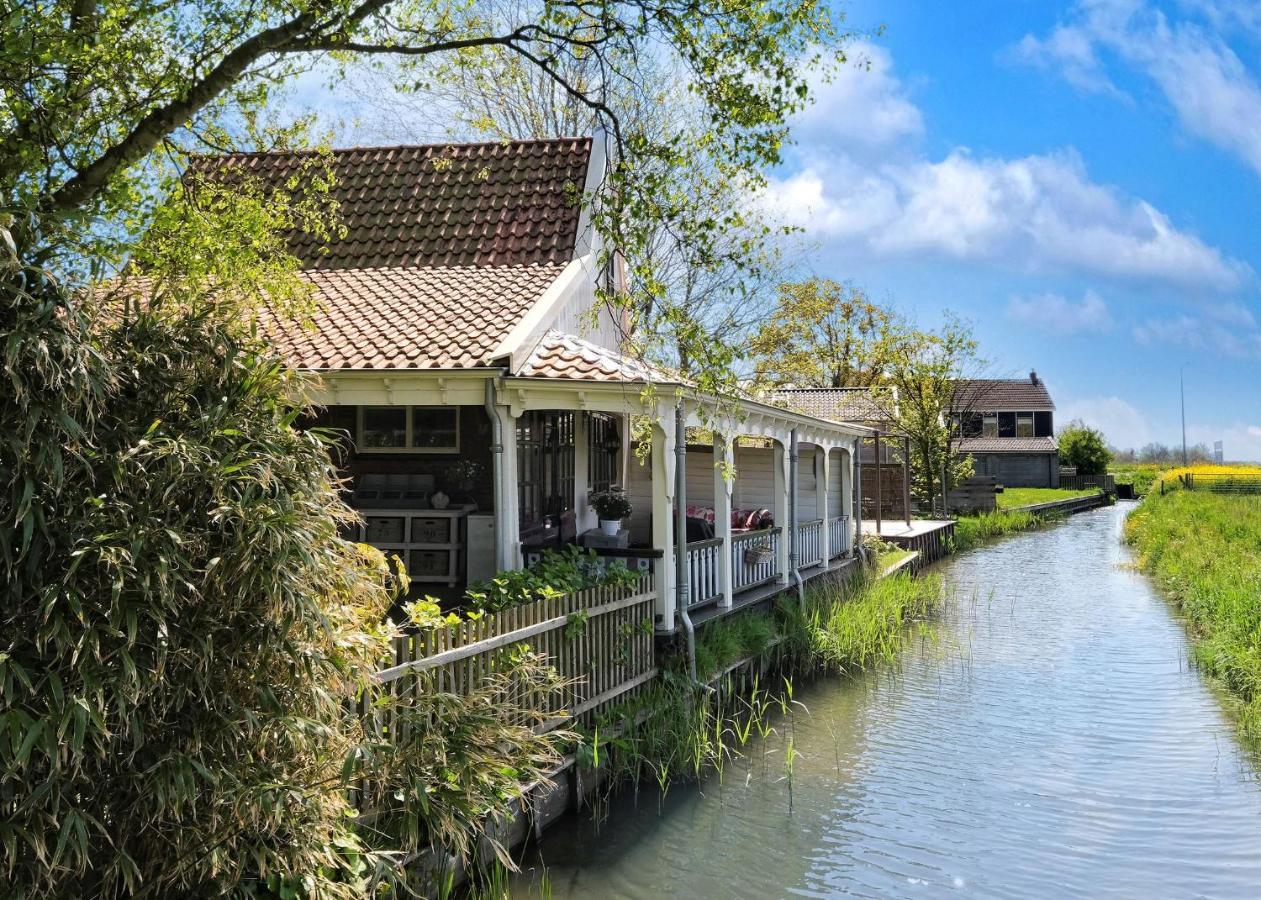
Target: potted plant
(611, 507)
(461, 476)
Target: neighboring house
(1005, 424)
(461, 344)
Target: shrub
(1085, 448)
(557, 572)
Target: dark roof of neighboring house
(836, 404)
(506, 203)
(1006, 445)
(1009, 394)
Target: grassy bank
(676, 731)
(972, 531)
(1013, 497)
(1201, 548)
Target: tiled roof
(490, 204)
(1006, 445)
(1011, 394)
(561, 355)
(410, 318)
(835, 404)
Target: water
(1050, 740)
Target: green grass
(972, 531)
(887, 559)
(1013, 497)
(1202, 550)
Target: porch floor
(898, 529)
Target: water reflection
(1048, 740)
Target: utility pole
(1182, 389)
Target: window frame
(409, 432)
(1026, 419)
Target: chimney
(1033, 377)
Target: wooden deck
(929, 537)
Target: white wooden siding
(755, 479)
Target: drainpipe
(858, 497)
(794, 555)
(497, 460)
(680, 536)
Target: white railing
(809, 543)
(840, 534)
(704, 575)
(754, 558)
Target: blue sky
(1079, 179)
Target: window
(1024, 424)
(971, 425)
(603, 447)
(989, 425)
(409, 429)
(1006, 424)
(545, 465)
(1042, 425)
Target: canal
(1046, 738)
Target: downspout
(794, 535)
(497, 465)
(858, 497)
(680, 537)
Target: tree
(927, 381)
(1085, 448)
(101, 99)
(702, 300)
(824, 334)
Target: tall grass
(972, 531)
(1202, 549)
(679, 730)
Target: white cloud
(1071, 53)
(1241, 442)
(1054, 312)
(1226, 330)
(862, 105)
(1038, 213)
(1122, 424)
(1203, 79)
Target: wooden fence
(1105, 483)
(1219, 482)
(600, 639)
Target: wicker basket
(756, 556)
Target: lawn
(1201, 548)
(1013, 497)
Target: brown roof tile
(1006, 445)
(561, 355)
(411, 318)
(835, 404)
(489, 204)
(1010, 394)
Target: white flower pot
(611, 526)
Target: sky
(1081, 180)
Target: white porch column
(724, 484)
(663, 513)
(822, 481)
(582, 447)
(780, 472)
(508, 551)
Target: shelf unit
(431, 542)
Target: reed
(1201, 549)
(972, 531)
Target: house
(461, 344)
(1005, 424)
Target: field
(1201, 549)
(1013, 497)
